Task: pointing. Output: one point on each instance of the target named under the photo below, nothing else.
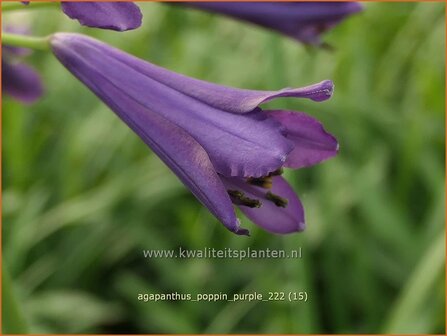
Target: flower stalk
(35, 43)
(18, 5)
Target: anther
(238, 198)
(235, 193)
(263, 182)
(279, 201)
(277, 172)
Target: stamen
(263, 182)
(239, 198)
(277, 172)
(279, 201)
(235, 193)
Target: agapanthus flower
(216, 139)
(118, 16)
(303, 21)
(19, 80)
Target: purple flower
(304, 21)
(19, 80)
(216, 139)
(118, 16)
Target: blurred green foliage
(83, 196)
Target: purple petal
(238, 144)
(304, 21)
(225, 98)
(118, 16)
(312, 143)
(221, 97)
(269, 216)
(21, 82)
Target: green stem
(17, 5)
(37, 43)
(12, 317)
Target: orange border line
(1, 171)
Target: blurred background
(83, 196)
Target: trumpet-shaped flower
(304, 21)
(216, 139)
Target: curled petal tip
(324, 92)
(243, 232)
(240, 231)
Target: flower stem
(17, 5)
(36, 43)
